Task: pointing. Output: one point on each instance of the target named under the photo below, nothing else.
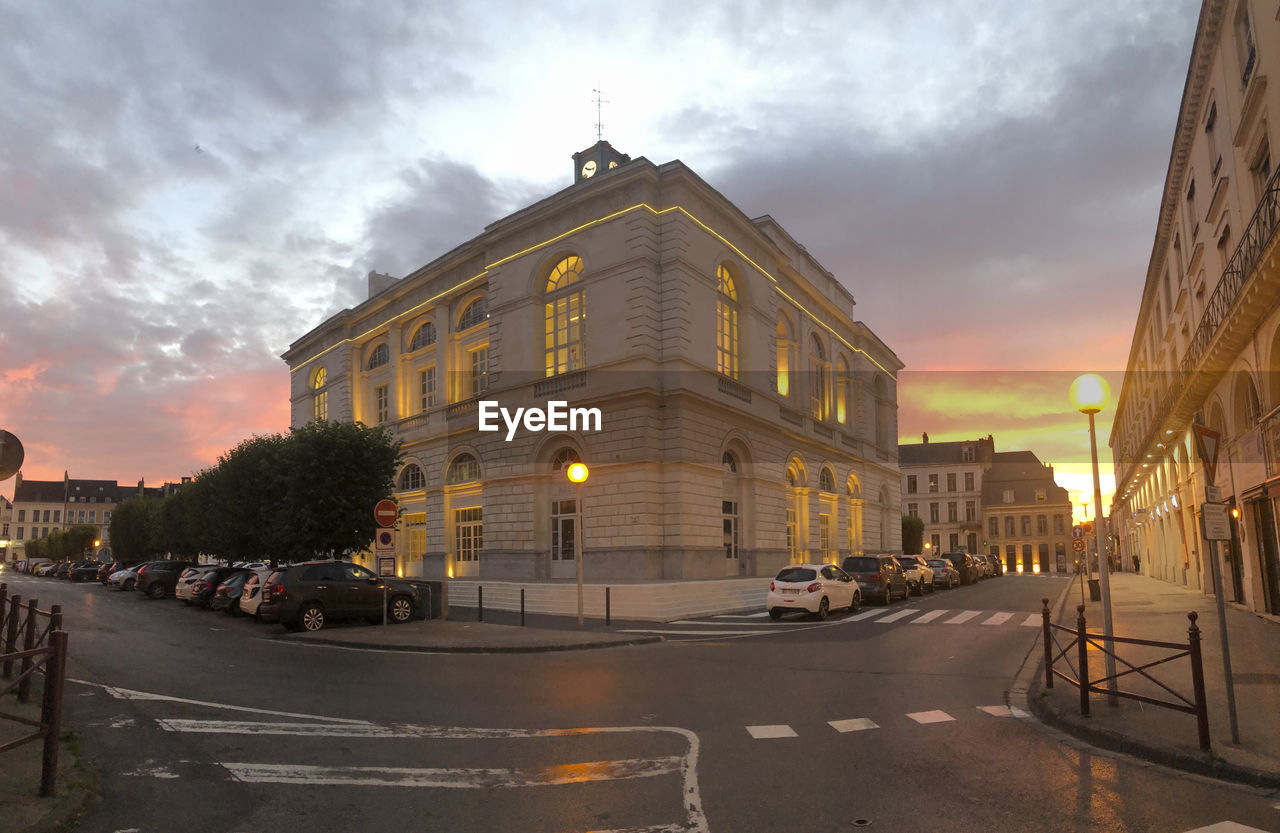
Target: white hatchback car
(251, 596)
(189, 579)
(814, 588)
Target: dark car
(63, 570)
(968, 569)
(158, 578)
(226, 596)
(309, 594)
(997, 565)
(206, 585)
(84, 571)
(105, 570)
(879, 576)
(944, 573)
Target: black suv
(970, 571)
(158, 578)
(309, 594)
(878, 576)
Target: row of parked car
(302, 596)
(820, 588)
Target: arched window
(729, 462)
(844, 397)
(565, 313)
(826, 480)
(320, 398)
(463, 469)
(380, 356)
(424, 337)
(727, 324)
(412, 478)
(474, 314)
(820, 373)
(782, 345)
(564, 458)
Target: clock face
(589, 169)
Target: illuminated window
(319, 398)
(412, 478)
(468, 532)
(826, 481)
(474, 314)
(565, 317)
(479, 371)
(933, 482)
(844, 396)
(782, 344)
(824, 536)
(380, 356)
(727, 324)
(793, 535)
(416, 525)
(427, 387)
(381, 403)
(424, 337)
(463, 469)
(820, 381)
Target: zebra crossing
(737, 625)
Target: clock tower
(596, 159)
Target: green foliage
(912, 534)
(36, 549)
(132, 529)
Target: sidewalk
(22, 808)
(1147, 608)
(450, 636)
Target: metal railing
(50, 659)
(1082, 640)
(23, 623)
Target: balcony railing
(734, 389)
(560, 384)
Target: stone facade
(1027, 515)
(942, 485)
(747, 419)
(1206, 343)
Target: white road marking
(1004, 711)
(1035, 620)
(935, 716)
(901, 614)
(722, 624)
(866, 614)
(857, 724)
(1227, 827)
(759, 615)
(460, 778)
(703, 633)
(767, 732)
(998, 619)
(130, 694)
(962, 617)
(153, 771)
(930, 616)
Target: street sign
(1207, 443)
(1077, 544)
(385, 541)
(1077, 531)
(11, 455)
(1213, 494)
(387, 567)
(1216, 522)
(386, 512)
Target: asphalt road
(198, 722)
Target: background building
(747, 419)
(942, 485)
(44, 506)
(1206, 344)
(1027, 514)
(6, 518)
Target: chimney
(925, 437)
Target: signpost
(11, 455)
(386, 513)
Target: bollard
(55, 618)
(522, 606)
(1082, 643)
(1197, 680)
(607, 612)
(430, 610)
(55, 669)
(480, 603)
(1048, 651)
(29, 642)
(10, 625)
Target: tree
(240, 498)
(177, 528)
(336, 473)
(132, 529)
(912, 534)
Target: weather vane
(599, 124)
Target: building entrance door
(1265, 534)
(563, 540)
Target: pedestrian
(1135, 562)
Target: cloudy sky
(185, 188)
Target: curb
(1028, 683)
(475, 649)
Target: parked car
(983, 565)
(814, 588)
(944, 573)
(308, 595)
(919, 574)
(127, 578)
(159, 578)
(251, 594)
(878, 576)
(189, 578)
(206, 585)
(84, 571)
(997, 565)
(226, 596)
(968, 569)
(105, 570)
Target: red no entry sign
(386, 512)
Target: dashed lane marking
(769, 732)
(901, 614)
(1035, 620)
(866, 614)
(857, 724)
(930, 616)
(962, 617)
(935, 716)
(998, 619)
(1003, 711)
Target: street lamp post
(1089, 394)
(577, 474)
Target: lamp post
(1089, 394)
(577, 474)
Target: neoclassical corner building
(746, 419)
(1206, 345)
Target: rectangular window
(951, 482)
(824, 537)
(22, 515)
(106, 517)
(416, 525)
(911, 484)
(1058, 526)
(46, 533)
(913, 510)
(1008, 495)
(933, 482)
(81, 516)
(726, 339)
(933, 513)
(4, 530)
(1026, 525)
(381, 402)
(564, 517)
(56, 516)
(729, 523)
(993, 527)
(1009, 530)
(93, 516)
(1011, 557)
(936, 541)
(46, 516)
(1261, 169)
(970, 511)
(955, 543)
(966, 454)
(952, 512)
(968, 481)
(479, 371)
(468, 532)
(427, 387)
(1042, 525)
(793, 544)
